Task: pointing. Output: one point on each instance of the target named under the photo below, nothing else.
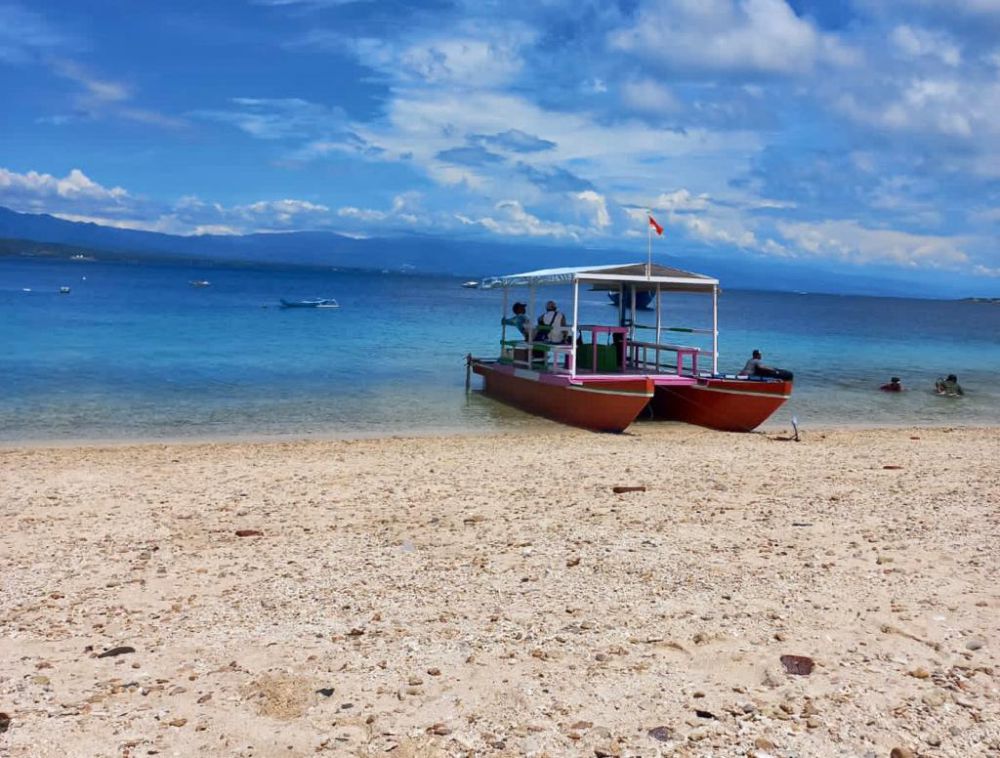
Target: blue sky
(854, 134)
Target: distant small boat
(200, 283)
(315, 303)
(64, 290)
(471, 285)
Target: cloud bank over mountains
(860, 133)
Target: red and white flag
(656, 226)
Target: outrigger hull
(726, 404)
(599, 403)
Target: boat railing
(639, 356)
(680, 329)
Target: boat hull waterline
(726, 404)
(601, 403)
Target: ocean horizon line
(112, 257)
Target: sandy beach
(493, 595)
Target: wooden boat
(605, 387)
(727, 403)
(600, 403)
(315, 303)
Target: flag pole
(649, 239)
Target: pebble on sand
(661, 733)
(121, 650)
(800, 665)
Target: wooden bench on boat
(537, 355)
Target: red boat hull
(599, 404)
(730, 405)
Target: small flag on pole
(656, 226)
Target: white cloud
(986, 215)
(703, 221)
(847, 240)
(77, 197)
(17, 189)
(943, 106)
(146, 225)
(403, 210)
(26, 37)
(728, 35)
(512, 220)
(96, 90)
(716, 231)
(649, 96)
(362, 214)
(981, 9)
(595, 205)
(279, 118)
(280, 211)
(102, 98)
(421, 123)
(681, 200)
(470, 55)
(914, 42)
(477, 62)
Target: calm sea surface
(136, 352)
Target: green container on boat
(607, 357)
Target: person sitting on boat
(894, 385)
(519, 319)
(551, 325)
(948, 386)
(754, 367)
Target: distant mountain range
(42, 235)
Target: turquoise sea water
(135, 352)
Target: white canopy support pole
(635, 318)
(659, 322)
(503, 315)
(576, 319)
(531, 314)
(715, 329)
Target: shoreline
(527, 427)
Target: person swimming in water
(894, 385)
(948, 386)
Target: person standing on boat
(551, 325)
(519, 319)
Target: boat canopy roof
(638, 275)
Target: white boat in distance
(200, 283)
(315, 303)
